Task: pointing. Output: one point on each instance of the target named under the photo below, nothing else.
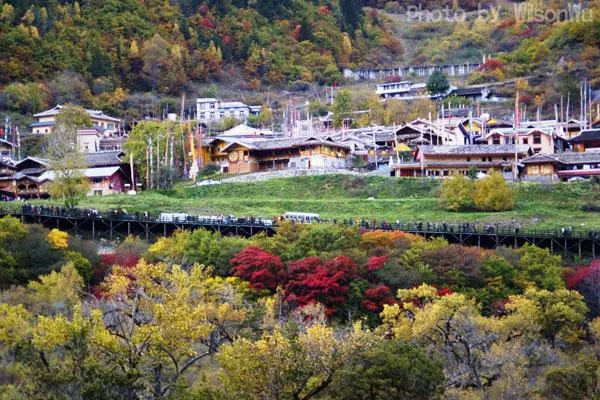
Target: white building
(211, 110)
(47, 119)
(404, 90)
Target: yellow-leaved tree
(493, 194)
(457, 193)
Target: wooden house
(244, 156)
(562, 166)
(587, 139)
(540, 140)
(444, 161)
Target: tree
(352, 13)
(284, 366)
(342, 107)
(493, 194)
(437, 83)
(187, 248)
(457, 193)
(549, 315)
(576, 382)
(66, 161)
(539, 268)
(262, 269)
(391, 369)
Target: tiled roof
(474, 149)
(564, 158)
(98, 114)
(274, 144)
(104, 158)
(586, 136)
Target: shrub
(493, 194)
(457, 193)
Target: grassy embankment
(408, 200)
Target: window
(537, 139)
(202, 106)
(97, 192)
(212, 106)
(483, 159)
(496, 140)
(212, 115)
(525, 141)
(490, 159)
(97, 181)
(202, 115)
(468, 159)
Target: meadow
(540, 206)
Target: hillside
(344, 197)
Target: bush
(493, 194)
(457, 193)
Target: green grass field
(539, 206)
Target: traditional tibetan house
(562, 166)
(7, 149)
(26, 179)
(243, 156)
(540, 140)
(424, 132)
(443, 161)
(588, 139)
(32, 176)
(47, 119)
(106, 173)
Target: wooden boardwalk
(112, 226)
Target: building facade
(47, 119)
(211, 110)
(444, 161)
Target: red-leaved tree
(310, 281)
(375, 298)
(259, 267)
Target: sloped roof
(275, 144)
(587, 135)
(92, 113)
(539, 158)
(100, 172)
(564, 158)
(104, 158)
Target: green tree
(457, 193)
(539, 268)
(342, 107)
(437, 83)
(392, 369)
(66, 161)
(493, 194)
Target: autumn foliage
(262, 269)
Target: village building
(404, 90)
(90, 140)
(47, 119)
(7, 149)
(444, 161)
(32, 176)
(210, 110)
(562, 166)
(540, 140)
(245, 131)
(588, 140)
(425, 132)
(244, 156)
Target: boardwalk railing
(120, 223)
